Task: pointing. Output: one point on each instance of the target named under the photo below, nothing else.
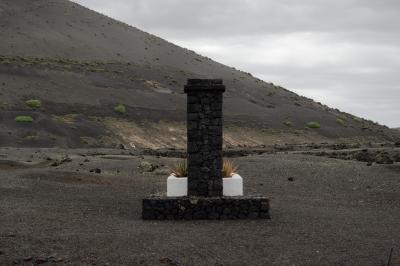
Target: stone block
(205, 208)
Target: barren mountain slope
(81, 64)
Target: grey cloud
(248, 17)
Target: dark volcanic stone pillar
(204, 136)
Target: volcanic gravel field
(83, 207)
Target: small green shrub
(147, 166)
(340, 121)
(120, 108)
(24, 119)
(357, 119)
(288, 124)
(33, 103)
(313, 125)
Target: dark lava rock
(364, 156)
(41, 260)
(397, 144)
(291, 179)
(369, 163)
(383, 159)
(29, 258)
(95, 170)
(213, 208)
(60, 162)
(122, 147)
(167, 261)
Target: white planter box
(177, 186)
(233, 186)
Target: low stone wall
(205, 208)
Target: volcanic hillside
(64, 69)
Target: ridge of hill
(80, 65)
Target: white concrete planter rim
(234, 175)
(177, 186)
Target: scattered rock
(167, 261)
(54, 258)
(369, 163)
(364, 156)
(383, 159)
(95, 170)
(122, 147)
(29, 258)
(162, 171)
(147, 166)
(397, 144)
(66, 159)
(291, 179)
(86, 160)
(41, 260)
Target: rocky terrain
(70, 77)
(83, 207)
(92, 115)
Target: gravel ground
(334, 212)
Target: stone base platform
(205, 208)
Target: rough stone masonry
(205, 198)
(204, 136)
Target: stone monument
(204, 137)
(205, 198)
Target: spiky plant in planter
(179, 169)
(228, 169)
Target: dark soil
(325, 211)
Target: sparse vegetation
(314, 125)
(24, 119)
(67, 119)
(288, 124)
(120, 108)
(341, 121)
(3, 106)
(33, 103)
(147, 166)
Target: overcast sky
(343, 53)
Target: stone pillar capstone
(204, 136)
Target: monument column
(204, 136)
(205, 199)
